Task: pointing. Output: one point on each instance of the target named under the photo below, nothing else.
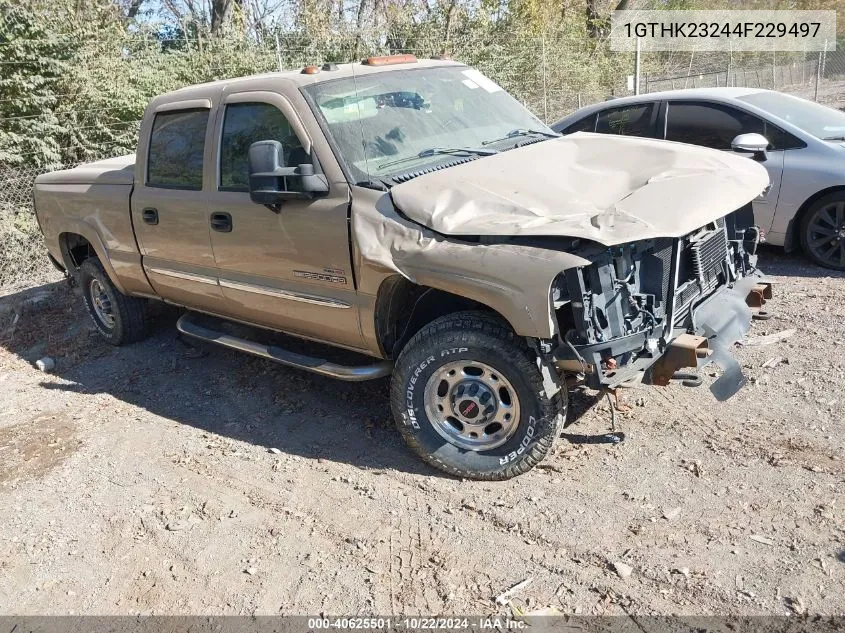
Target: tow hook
(684, 351)
(756, 299)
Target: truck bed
(90, 205)
(111, 171)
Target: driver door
(289, 268)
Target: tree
(29, 76)
(222, 12)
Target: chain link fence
(815, 76)
(550, 76)
(23, 257)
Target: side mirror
(271, 182)
(753, 143)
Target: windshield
(405, 120)
(818, 120)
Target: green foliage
(30, 73)
(76, 76)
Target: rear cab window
(177, 145)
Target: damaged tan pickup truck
(415, 213)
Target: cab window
(177, 143)
(245, 124)
(632, 120)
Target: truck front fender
(512, 279)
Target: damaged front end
(643, 310)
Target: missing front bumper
(719, 323)
(683, 351)
(716, 325)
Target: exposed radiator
(708, 252)
(701, 265)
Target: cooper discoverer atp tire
(119, 319)
(468, 398)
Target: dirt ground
(164, 478)
(831, 93)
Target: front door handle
(150, 215)
(221, 222)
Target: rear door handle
(150, 215)
(221, 222)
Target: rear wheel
(120, 319)
(823, 231)
(469, 398)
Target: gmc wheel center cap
(473, 402)
(469, 409)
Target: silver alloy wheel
(101, 303)
(471, 405)
(826, 233)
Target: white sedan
(801, 144)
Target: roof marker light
(388, 60)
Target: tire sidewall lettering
(409, 416)
(524, 444)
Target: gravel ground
(163, 478)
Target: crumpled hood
(610, 189)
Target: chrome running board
(272, 352)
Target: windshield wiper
(378, 185)
(834, 138)
(522, 132)
(434, 151)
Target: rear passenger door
(170, 209)
(715, 125)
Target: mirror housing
(753, 143)
(269, 178)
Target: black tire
(822, 231)
(480, 338)
(128, 314)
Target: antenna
(360, 121)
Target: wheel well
(403, 308)
(794, 235)
(75, 250)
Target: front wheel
(469, 398)
(823, 231)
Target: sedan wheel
(823, 232)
